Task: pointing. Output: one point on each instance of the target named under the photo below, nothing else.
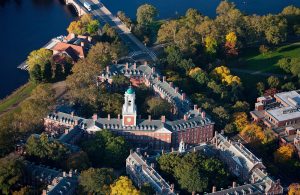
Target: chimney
(176, 89)
(234, 184)
(70, 173)
(107, 69)
(158, 78)
(138, 150)
(131, 151)
(149, 118)
(145, 63)
(72, 35)
(64, 174)
(90, 39)
(171, 84)
(95, 117)
(172, 187)
(195, 107)
(76, 122)
(108, 117)
(199, 110)
(126, 65)
(164, 78)
(185, 117)
(44, 192)
(119, 116)
(152, 165)
(172, 149)
(72, 113)
(183, 96)
(134, 66)
(214, 189)
(203, 114)
(153, 69)
(82, 44)
(163, 118)
(66, 131)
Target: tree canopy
(146, 14)
(85, 25)
(123, 186)
(96, 181)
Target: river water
(26, 25)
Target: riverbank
(13, 100)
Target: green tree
(41, 57)
(36, 74)
(82, 84)
(59, 74)
(84, 25)
(47, 72)
(96, 181)
(111, 103)
(273, 81)
(11, 172)
(146, 189)
(260, 86)
(79, 161)
(45, 149)
(146, 14)
(158, 107)
(106, 149)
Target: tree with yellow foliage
(223, 73)
(210, 45)
(253, 133)
(240, 120)
(199, 75)
(284, 153)
(84, 25)
(230, 45)
(123, 186)
(294, 189)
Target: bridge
(100, 12)
(78, 6)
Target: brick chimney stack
(234, 184)
(163, 118)
(214, 189)
(203, 114)
(158, 78)
(119, 116)
(145, 63)
(107, 69)
(95, 117)
(183, 96)
(134, 66)
(82, 44)
(164, 78)
(108, 117)
(185, 117)
(153, 69)
(176, 89)
(149, 118)
(171, 84)
(195, 107)
(126, 65)
(90, 39)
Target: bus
(87, 5)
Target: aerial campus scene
(150, 97)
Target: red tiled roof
(72, 50)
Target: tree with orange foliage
(284, 153)
(230, 45)
(252, 132)
(294, 189)
(240, 120)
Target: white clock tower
(129, 108)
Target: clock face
(129, 120)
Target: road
(100, 12)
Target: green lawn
(16, 97)
(251, 59)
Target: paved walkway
(255, 72)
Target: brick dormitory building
(281, 113)
(192, 125)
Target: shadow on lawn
(289, 48)
(265, 63)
